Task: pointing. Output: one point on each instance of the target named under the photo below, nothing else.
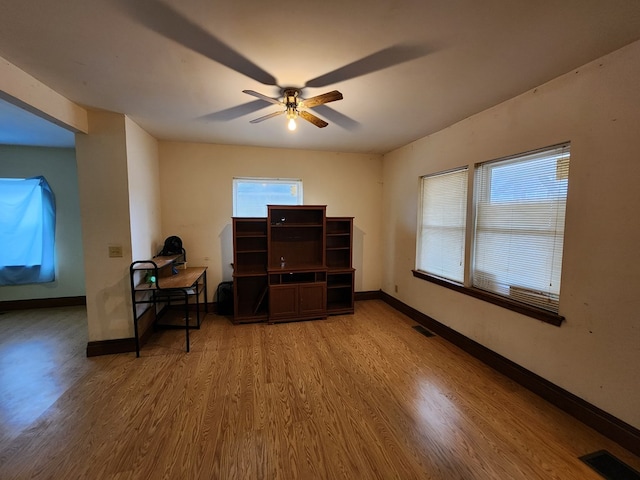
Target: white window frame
(527, 298)
(519, 231)
(260, 208)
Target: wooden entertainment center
(296, 264)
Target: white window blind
(442, 225)
(519, 233)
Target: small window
(519, 233)
(442, 223)
(252, 195)
(27, 228)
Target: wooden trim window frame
(522, 308)
(514, 231)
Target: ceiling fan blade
(234, 112)
(169, 22)
(263, 97)
(337, 118)
(309, 117)
(321, 99)
(267, 117)
(385, 58)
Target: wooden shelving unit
(293, 265)
(297, 269)
(340, 276)
(250, 269)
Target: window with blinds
(442, 222)
(519, 226)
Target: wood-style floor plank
(356, 396)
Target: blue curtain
(27, 231)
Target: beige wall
(104, 208)
(120, 198)
(197, 206)
(144, 192)
(58, 166)
(595, 354)
(120, 190)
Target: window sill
(537, 313)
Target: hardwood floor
(42, 353)
(357, 397)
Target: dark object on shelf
(172, 246)
(224, 298)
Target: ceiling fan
(294, 106)
(170, 22)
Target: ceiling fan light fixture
(292, 102)
(292, 114)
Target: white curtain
(27, 231)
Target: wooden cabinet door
(283, 301)
(313, 299)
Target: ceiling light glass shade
(292, 114)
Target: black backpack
(172, 246)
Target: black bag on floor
(224, 298)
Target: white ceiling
(406, 68)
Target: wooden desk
(185, 278)
(168, 287)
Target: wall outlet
(115, 251)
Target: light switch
(115, 251)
